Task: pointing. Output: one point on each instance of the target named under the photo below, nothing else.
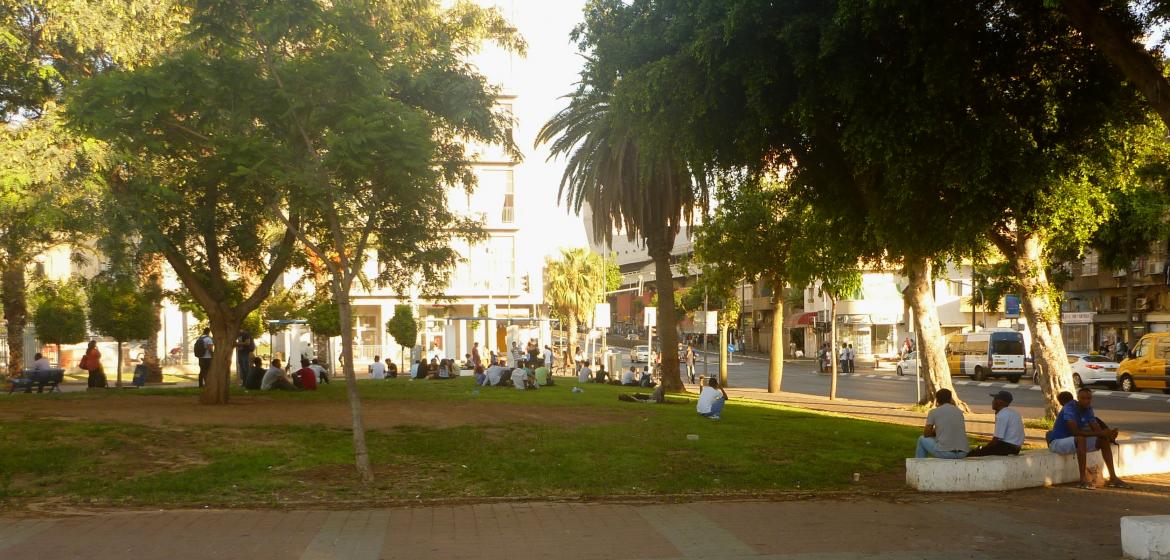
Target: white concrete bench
(1146, 537)
(1137, 455)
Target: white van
(987, 353)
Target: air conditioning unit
(1154, 268)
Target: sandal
(1118, 483)
(1085, 486)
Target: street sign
(1011, 307)
(601, 316)
(650, 316)
(711, 323)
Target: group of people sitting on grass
(527, 375)
(277, 378)
(1076, 430)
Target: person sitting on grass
(306, 378)
(433, 369)
(520, 376)
(322, 373)
(420, 370)
(494, 374)
(543, 377)
(1009, 429)
(255, 375)
(945, 433)
(391, 369)
(647, 380)
(711, 400)
(584, 374)
(480, 376)
(1076, 430)
(628, 377)
(601, 376)
(443, 372)
(377, 369)
(275, 379)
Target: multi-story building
(1094, 309)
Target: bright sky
(548, 72)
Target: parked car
(1146, 366)
(1089, 369)
(640, 353)
(908, 364)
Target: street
(1147, 411)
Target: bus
(987, 353)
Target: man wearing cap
(945, 434)
(1009, 429)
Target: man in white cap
(1009, 429)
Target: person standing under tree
(244, 348)
(204, 348)
(92, 363)
(689, 360)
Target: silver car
(640, 353)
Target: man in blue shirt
(1076, 431)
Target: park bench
(1138, 454)
(40, 379)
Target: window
(1141, 349)
(1162, 350)
(508, 215)
(1089, 265)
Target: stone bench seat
(1146, 537)
(1137, 454)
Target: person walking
(851, 357)
(204, 348)
(92, 363)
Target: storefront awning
(800, 320)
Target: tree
(59, 313)
(573, 286)
(630, 180)
(404, 328)
(46, 171)
(121, 308)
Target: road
(1147, 411)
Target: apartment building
(1094, 308)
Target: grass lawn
(428, 440)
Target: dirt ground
(260, 410)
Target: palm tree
(629, 183)
(575, 282)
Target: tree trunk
(667, 333)
(360, 451)
(1111, 38)
(571, 336)
(1128, 306)
(1026, 254)
(932, 353)
(776, 356)
(833, 362)
(150, 351)
(15, 313)
(223, 332)
(118, 367)
(722, 354)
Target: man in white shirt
(628, 377)
(711, 400)
(548, 357)
(494, 373)
(41, 363)
(584, 374)
(377, 369)
(1009, 429)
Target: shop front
(1077, 329)
(1108, 328)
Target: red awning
(800, 320)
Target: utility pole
(705, 372)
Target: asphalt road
(1147, 411)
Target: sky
(540, 79)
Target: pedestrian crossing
(1096, 392)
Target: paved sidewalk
(1042, 523)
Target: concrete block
(1139, 454)
(1146, 537)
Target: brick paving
(1040, 523)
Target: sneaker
(716, 417)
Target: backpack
(200, 347)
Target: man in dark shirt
(1076, 430)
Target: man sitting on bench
(1009, 429)
(1076, 431)
(945, 434)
